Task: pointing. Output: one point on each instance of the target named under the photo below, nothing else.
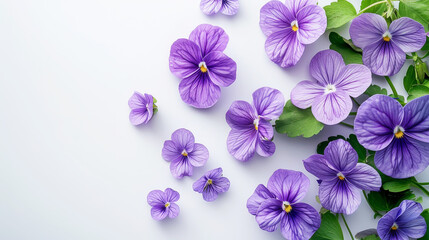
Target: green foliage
(298, 122)
(417, 91)
(410, 78)
(329, 228)
(426, 46)
(345, 47)
(339, 13)
(384, 201)
(425, 215)
(398, 185)
(378, 9)
(400, 99)
(415, 9)
(369, 234)
(375, 89)
(371, 237)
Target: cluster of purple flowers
(398, 135)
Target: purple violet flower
(163, 203)
(289, 27)
(251, 130)
(400, 135)
(203, 67)
(384, 47)
(142, 108)
(227, 7)
(279, 202)
(329, 96)
(211, 184)
(183, 153)
(342, 177)
(402, 222)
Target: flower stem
(354, 100)
(423, 189)
(347, 125)
(395, 93)
(375, 211)
(424, 56)
(352, 113)
(347, 226)
(370, 6)
(424, 183)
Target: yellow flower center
(167, 204)
(399, 132)
(184, 153)
(256, 123)
(294, 25)
(287, 207)
(387, 36)
(341, 176)
(203, 67)
(394, 227)
(209, 182)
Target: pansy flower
(384, 47)
(289, 27)
(400, 135)
(279, 204)
(142, 108)
(201, 64)
(329, 96)
(403, 222)
(163, 203)
(183, 153)
(227, 7)
(251, 130)
(341, 177)
(211, 184)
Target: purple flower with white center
(400, 135)
(211, 184)
(329, 96)
(251, 130)
(403, 222)
(203, 67)
(289, 27)
(142, 108)
(342, 177)
(279, 202)
(183, 153)
(227, 7)
(384, 47)
(163, 203)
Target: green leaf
(425, 215)
(426, 46)
(297, 122)
(339, 13)
(400, 99)
(329, 228)
(398, 185)
(417, 91)
(375, 89)
(345, 47)
(409, 78)
(361, 151)
(417, 10)
(384, 201)
(378, 201)
(378, 9)
(369, 234)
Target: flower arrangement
(390, 141)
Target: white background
(73, 167)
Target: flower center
(294, 25)
(167, 204)
(256, 123)
(184, 153)
(203, 67)
(387, 36)
(286, 207)
(399, 132)
(341, 176)
(394, 226)
(209, 182)
(330, 88)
